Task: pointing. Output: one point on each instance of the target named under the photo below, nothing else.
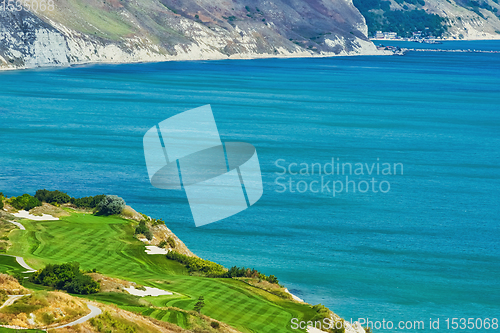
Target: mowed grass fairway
(9, 265)
(108, 244)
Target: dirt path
(21, 262)
(12, 299)
(94, 312)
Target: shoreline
(182, 59)
(237, 57)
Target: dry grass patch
(11, 286)
(116, 320)
(131, 214)
(44, 309)
(162, 234)
(109, 284)
(267, 286)
(49, 209)
(5, 229)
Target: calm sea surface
(428, 248)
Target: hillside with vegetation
(91, 31)
(96, 254)
(459, 19)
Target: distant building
(390, 35)
(386, 35)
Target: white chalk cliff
(114, 31)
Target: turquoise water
(426, 249)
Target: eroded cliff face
(468, 22)
(93, 31)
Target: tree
(111, 205)
(52, 196)
(200, 304)
(88, 202)
(25, 202)
(67, 277)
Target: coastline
(151, 291)
(182, 58)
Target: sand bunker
(26, 215)
(155, 250)
(148, 292)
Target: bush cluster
(142, 228)
(170, 242)
(153, 222)
(58, 197)
(52, 196)
(198, 265)
(212, 269)
(66, 277)
(87, 202)
(1, 200)
(250, 273)
(25, 202)
(323, 312)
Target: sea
(413, 235)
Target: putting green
(108, 244)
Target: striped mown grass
(108, 245)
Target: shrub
(52, 196)
(19, 278)
(194, 264)
(66, 277)
(111, 205)
(88, 202)
(155, 222)
(215, 324)
(171, 242)
(1, 201)
(148, 234)
(25, 202)
(141, 228)
(250, 273)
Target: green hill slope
(108, 244)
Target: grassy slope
(10, 266)
(107, 243)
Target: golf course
(107, 244)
